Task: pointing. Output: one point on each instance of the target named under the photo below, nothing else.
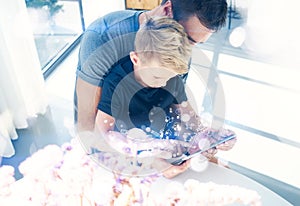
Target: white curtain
(22, 93)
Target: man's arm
(104, 122)
(88, 97)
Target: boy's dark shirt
(133, 105)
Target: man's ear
(167, 7)
(134, 58)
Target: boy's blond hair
(164, 39)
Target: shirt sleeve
(104, 43)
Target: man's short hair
(211, 13)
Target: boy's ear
(134, 58)
(167, 7)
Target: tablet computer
(203, 141)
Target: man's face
(197, 32)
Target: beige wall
(95, 8)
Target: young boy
(141, 89)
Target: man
(144, 93)
(110, 38)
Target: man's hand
(168, 170)
(209, 154)
(90, 140)
(173, 171)
(228, 145)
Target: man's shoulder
(105, 42)
(122, 15)
(116, 20)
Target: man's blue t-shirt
(106, 41)
(133, 105)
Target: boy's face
(150, 73)
(153, 75)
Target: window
(55, 25)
